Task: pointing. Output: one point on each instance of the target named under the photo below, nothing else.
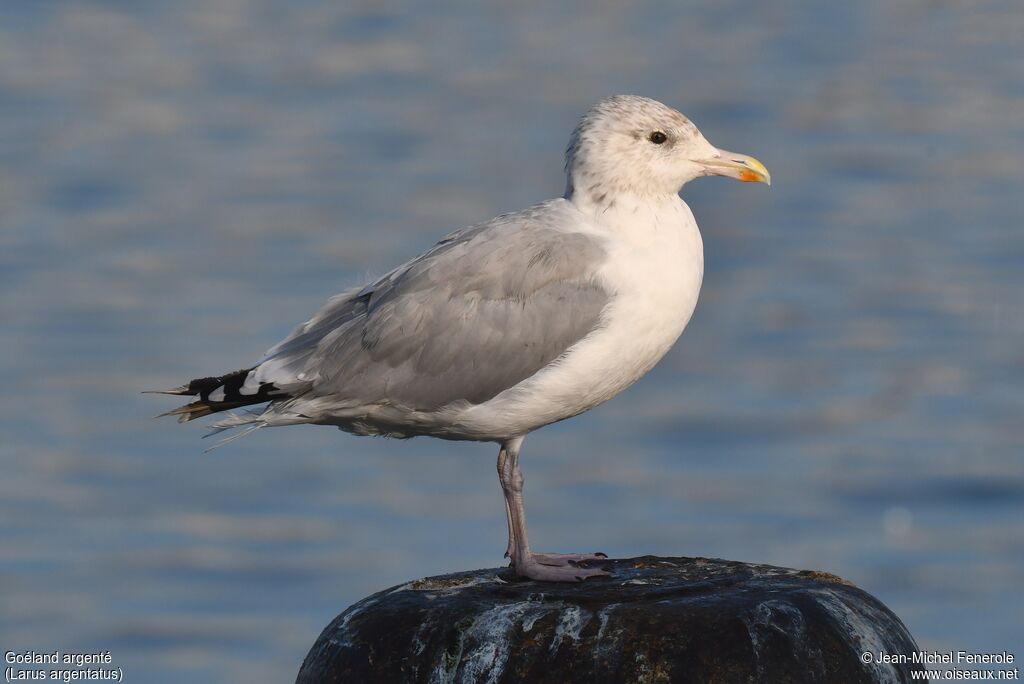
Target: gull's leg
(544, 567)
(504, 475)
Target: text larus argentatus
(512, 324)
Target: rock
(653, 620)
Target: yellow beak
(738, 166)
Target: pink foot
(559, 559)
(566, 571)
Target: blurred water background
(181, 183)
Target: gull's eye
(657, 137)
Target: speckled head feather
(632, 144)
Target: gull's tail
(222, 393)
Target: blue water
(181, 183)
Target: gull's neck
(630, 212)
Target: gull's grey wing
(486, 308)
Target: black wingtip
(182, 391)
(197, 409)
(231, 397)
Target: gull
(512, 324)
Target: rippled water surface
(181, 183)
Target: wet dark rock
(653, 620)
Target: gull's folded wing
(483, 310)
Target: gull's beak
(736, 165)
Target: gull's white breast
(654, 269)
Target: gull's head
(635, 145)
